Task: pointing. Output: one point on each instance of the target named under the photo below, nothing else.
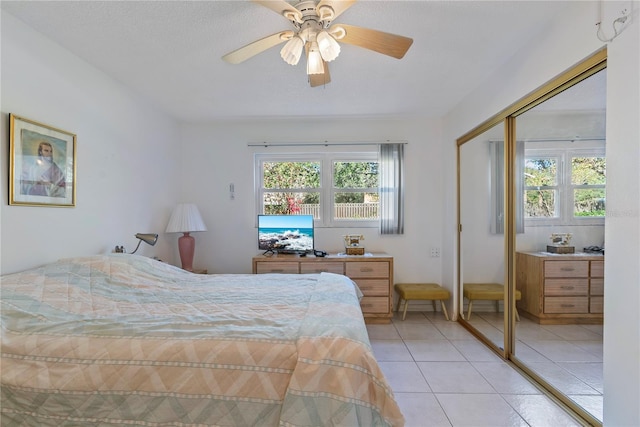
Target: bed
(126, 340)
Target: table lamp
(186, 219)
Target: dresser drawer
(566, 269)
(367, 269)
(373, 287)
(277, 267)
(596, 305)
(566, 305)
(597, 268)
(375, 304)
(322, 267)
(566, 287)
(597, 287)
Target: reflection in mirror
(562, 182)
(482, 250)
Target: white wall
(560, 46)
(622, 234)
(216, 155)
(127, 175)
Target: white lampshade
(328, 46)
(185, 218)
(314, 60)
(292, 50)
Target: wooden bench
(486, 291)
(421, 291)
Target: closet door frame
(508, 117)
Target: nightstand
(200, 271)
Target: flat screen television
(285, 233)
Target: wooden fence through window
(345, 210)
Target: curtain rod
(577, 138)
(324, 143)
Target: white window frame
(564, 186)
(327, 190)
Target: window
(541, 187)
(338, 189)
(564, 186)
(588, 178)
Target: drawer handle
(366, 270)
(567, 305)
(567, 269)
(366, 305)
(276, 270)
(566, 287)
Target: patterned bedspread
(125, 340)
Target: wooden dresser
(373, 275)
(560, 289)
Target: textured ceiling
(170, 53)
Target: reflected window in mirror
(565, 186)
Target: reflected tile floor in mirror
(568, 356)
(443, 376)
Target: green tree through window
(588, 177)
(566, 186)
(290, 176)
(333, 187)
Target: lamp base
(187, 247)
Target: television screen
(285, 233)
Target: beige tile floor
(443, 376)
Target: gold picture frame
(42, 170)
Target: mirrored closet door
(482, 250)
(561, 186)
(531, 204)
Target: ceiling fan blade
(281, 7)
(316, 80)
(252, 49)
(338, 6)
(378, 41)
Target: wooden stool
(421, 291)
(486, 291)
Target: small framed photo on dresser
(42, 169)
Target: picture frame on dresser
(42, 164)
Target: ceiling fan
(314, 33)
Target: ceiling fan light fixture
(328, 46)
(337, 32)
(325, 12)
(292, 50)
(314, 60)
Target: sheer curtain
(497, 187)
(392, 188)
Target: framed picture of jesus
(42, 170)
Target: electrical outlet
(435, 252)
